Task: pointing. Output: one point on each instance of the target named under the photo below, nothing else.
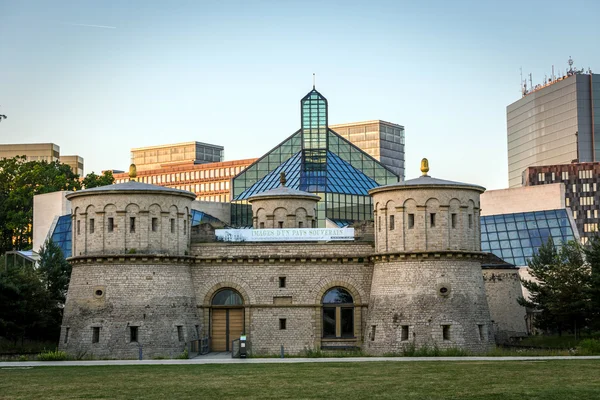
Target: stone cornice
(428, 255)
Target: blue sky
(101, 77)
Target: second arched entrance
(227, 319)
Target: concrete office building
(49, 152)
(156, 157)
(209, 181)
(581, 182)
(554, 123)
(384, 141)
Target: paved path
(228, 360)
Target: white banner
(284, 235)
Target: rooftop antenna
(530, 81)
(570, 62)
(313, 80)
(553, 77)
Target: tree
(20, 180)
(592, 255)
(560, 291)
(92, 180)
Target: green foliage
(183, 356)
(319, 353)
(411, 350)
(92, 180)
(33, 299)
(561, 292)
(589, 347)
(592, 255)
(55, 355)
(20, 180)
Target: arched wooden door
(227, 319)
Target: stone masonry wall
(503, 288)
(155, 295)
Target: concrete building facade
(382, 140)
(48, 152)
(155, 157)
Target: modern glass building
(62, 234)
(516, 237)
(315, 159)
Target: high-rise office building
(75, 162)
(384, 141)
(156, 157)
(557, 122)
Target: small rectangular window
(261, 225)
(282, 281)
(470, 221)
(131, 224)
(172, 225)
(111, 224)
(379, 223)
(391, 222)
(446, 332)
(282, 323)
(180, 333)
(299, 224)
(432, 220)
(92, 225)
(411, 221)
(453, 220)
(154, 224)
(373, 328)
(95, 334)
(280, 224)
(404, 332)
(481, 332)
(133, 333)
(78, 227)
(184, 227)
(67, 334)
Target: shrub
(183, 356)
(52, 356)
(589, 347)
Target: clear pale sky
(100, 77)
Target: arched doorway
(227, 319)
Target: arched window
(338, 314)
(227, 297)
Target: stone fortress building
(141, 277)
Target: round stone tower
(427, 287)
(131, 284)
(284, 207)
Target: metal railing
(200, 346)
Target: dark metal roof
(131, 187)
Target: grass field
(576, 379)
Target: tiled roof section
(130, 187)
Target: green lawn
(576, 379)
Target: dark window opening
(338, 314)
(314, 223)
(133, 333)
(78, 227)
(280, 224)
(379, 224)
(92, 225)
(282, 323)
(282, 281)
(67, 334)
(446, 332)
(411, 221)
(470, 221)
(481, 332)
(180, 333)
(299, 224)
(391, 223)
(404, 335)
(154, 224)
(261, 225)
(111, 224)
(131, 224)
(453, 220)
(373, 328)
(432, 220)
(172, 225)
(95, 334)
(184, 227)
